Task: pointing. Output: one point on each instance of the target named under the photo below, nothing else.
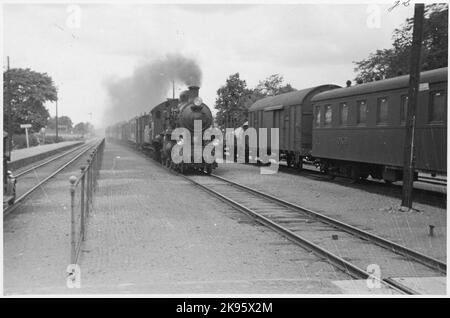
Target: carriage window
(343, 110)
(362, 110)
(327, 115)
(158, 114)
(317, 116)
(438, 104)
(382, 110)
(404, 108)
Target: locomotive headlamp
(198, 101)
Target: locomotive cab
(9, 182)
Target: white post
(26, 126)
(26, 135)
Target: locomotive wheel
(208, 169)
(181, 168)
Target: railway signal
(414, 80)
(56, 117)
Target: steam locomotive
(152, 132)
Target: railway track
(433, 180)
(350, 249)
(61, 161)
(23, 171)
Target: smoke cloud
(148, 86)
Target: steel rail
(11, 208)
(392, 246)
(437, 179)
(21, 173)
(434, 182)
(336, 261)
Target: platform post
(88, 186)
(73, 252)
(82, 202)
(26, 136)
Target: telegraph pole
(56, 116)
(173, 89)
(10, 117)
(414, 80)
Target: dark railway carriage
(124, 131)
(360, 130)
(292, 113)
(143, 126)
(131, 130)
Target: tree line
(394, 61)
(25, 93)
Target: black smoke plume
(149, 85)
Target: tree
(272, 85)
(63, 120)
(27, 91)
(234, 98)
(83, 128)
(231, 102)
(80, 128)
(393, 62)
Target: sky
(83, 47)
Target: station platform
(26, 156)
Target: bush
(20, 141)
(49, 139)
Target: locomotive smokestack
(193, 92)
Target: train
(152, 131)
(359, 130)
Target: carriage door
(272, 117)
(268, 124)
(278, 123)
